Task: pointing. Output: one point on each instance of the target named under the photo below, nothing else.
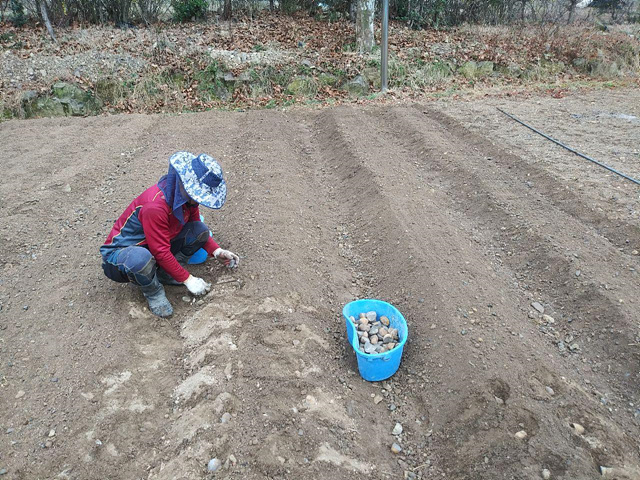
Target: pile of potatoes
(375, 334)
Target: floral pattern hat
(201, 177)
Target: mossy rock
(468, 70)
(107, 90)
(231, 80)
(580, 64)
(372, 75)
(485, 69)
(302, 86)
(64, 100)
(513, 70)
(34, 106)
(327, 79)
(357, 87)
(472, 70)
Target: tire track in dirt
(361, 157)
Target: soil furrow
(545, 259)
(367, 157)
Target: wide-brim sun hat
(201, 177)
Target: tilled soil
(456, 216)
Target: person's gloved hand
(196, 285)
(230, 259)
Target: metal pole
(384, 50)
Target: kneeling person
(155, 236)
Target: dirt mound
(457, 228)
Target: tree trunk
(42, 6)
(2, 9)
(572, 10)
(364, 25)
(271, 5)
(226, 11)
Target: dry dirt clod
(579, 429)
(548, 318)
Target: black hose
(637, 182)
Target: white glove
(230, 259)
(196, 285)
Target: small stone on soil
(226, 418)
(546, 474)
(395, 448)
(538, 307)
(521, 434)
(377, 399)
(214, 465)
(397, 430)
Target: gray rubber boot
(158, 303)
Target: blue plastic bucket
(378, 366)
(201, 255)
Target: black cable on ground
(637, 182)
